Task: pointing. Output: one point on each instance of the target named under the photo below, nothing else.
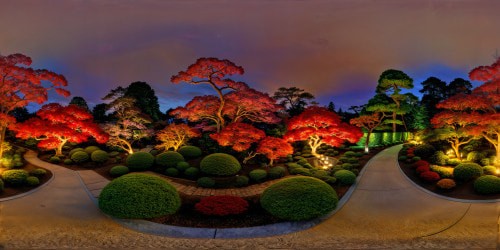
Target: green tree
(434, 91)
(79, 101)
(293, 99)
(146, 99)
(391, 82)
(99, 113)
(457, 86)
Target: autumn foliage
(274, 148)
(368, 122)
(21, 85)
(56, 125)
(222, 205)
(239, 136)
(318, 125)
(175, 135)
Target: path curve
(385, 211)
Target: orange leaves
(208, 69)
(486, 73)
(274, 148)
(369, 122)
(175, 135)
(238, 135)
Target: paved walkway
(385, 211)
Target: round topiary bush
(206, 182)
(300, 171)
(114, 154)
(299, 198)
(345, 177)
(276, 172)
(172, 172)
(220, 164)
(222, 205)
(68, 161)
(32, 181)
(475, 156)
(38, 172)
(191, 172)
(119, 170)
(241, 181)
(467, 171)
(55, 159)
(139, 196)
(15, 177)
(439, 158)
(489, 170)
(139, 161)
(487, 184)
(422, 169)
(258, 175)
(91, 149)
(446, 184)
(430, 176)
(168, 159)
(190, 152)
(99, 156)
(182, 166)
(80, 157)
(74, 150)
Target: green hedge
(190, 152)
(80, 157)
(206, 182)
(466, 171)
(487, 184)
(168, 159)
(139, 196)
(15, 177)
(99, 156)
(220, 164)
(299, 198)
(140, 161)
(119, 170)
(91, 149)
(345, 177)
(258, 175)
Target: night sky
(334, 49)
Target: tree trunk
(271, 162)
(367, 142)
(314, 143)
(249, 156)
(497, 160)
(394, 116)
(60, 147)
(455, 147)
(2, 139)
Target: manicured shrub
(91, 149)
(222, 205)
(486, 162)
(119, 170)
(74, 150)
(191, 172)
(425, 151)
(139, 161)
(293, 165)
(490, 170)
(206, 182)
(487, 184)
(298, 158)
(302, 162)
(439, 158)
(276, 172)
(299, 198)
(475, 156)
(430, 176)
(168, 159)
(172, 172)
(467, 171)
(190, 152)
(336, 168)
(220, 164)
(114, 154)
(446, 184)
(241, 181)
(345, 177)
(32, 181)
(403, 158)
(182, 166)
(444, 172)
(330, 180)
(139, 196)
(421, 163)
(422, 169)
(15, 177)
(300, 171)
(80, 157)
(453, 162)
(68, 161)
(308, 166)
(349, 154)
(258, 175)
(38, 172)
(353, 160)
(55, 159)
(99, 156)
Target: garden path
(385, 211)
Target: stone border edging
(245, 232)
(441, 196)
(17, 196)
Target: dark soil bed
(461, 191)
(11, 191)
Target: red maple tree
(56, 125)
(239, 136)
(200, 108)
(320, 126)
(212, 71)
(175, 135)
(274, 148)
(369, 122)
(252, 105)
(21, 85)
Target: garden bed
(10, 191)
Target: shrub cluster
(15, 177)
(39, 172)
(276, 172)
(487, 184)
(172, 172)
(220, 164)
(439, 158)
(191, 172)
(32, 181)
(258, 175)
(80, 157)
(91, 149)
(222, 205)
(299, 198)
(446, 184)
(422, 169)
(140, 161)
(421, 163)
(467, 171)
(425, 151)
(139, 196)
(190, 152)
(206, 182)
(99, 156)
(430, 176)
(119, 170)
(241, 181)
(168, 159)
(345, 177)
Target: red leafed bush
(221, 205)
(422, 169)
(421, 163)
(430, 176)
(410, 150)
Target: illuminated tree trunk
(367, 142)
(60, 147)
(249, 156)
(126, 146)
(314, 143)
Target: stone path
(386, 211)
(94, 183)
